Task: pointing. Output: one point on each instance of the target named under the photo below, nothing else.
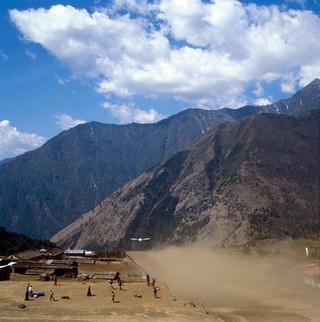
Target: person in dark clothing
(148, 280)
(113, 297)
(89, 291)
(51, 296)
(155, 292)
(111, 284)
(120, 283)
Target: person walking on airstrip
(120, 283)
(110, 284)
(113, 297)
(155, 292)
(51, 296)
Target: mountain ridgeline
(257, 178)
(44, 190)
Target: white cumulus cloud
(205, 53)
(262, 101)
(13, 142)
(309, 73)
(66, 122)
(129, 113)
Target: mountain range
(44, 190)
(253, 179)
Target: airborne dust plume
(225, 278)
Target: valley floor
(204, 287)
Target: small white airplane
(141, 239)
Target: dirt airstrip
(237, 287)
(135, 303)
(195, 285)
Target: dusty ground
(99, 307)
(204, 286)
(237, 288)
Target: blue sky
(63, 63)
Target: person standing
(113, 297)
(155, 292)
(110, 284)
(51, 296)
(120, 283)
(89, 291)
(30, 290)
(26, 298)
(148, 280)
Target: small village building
(74, 252)
(28, 255)
(55, 253)
(312, 276)
(38, 254)
(49, 267)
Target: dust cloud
(230, 279)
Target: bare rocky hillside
(44, 190)
(257, 178)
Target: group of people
(153, 284)
(119, 281)
(113, 295)
(29, 292)
(111, 287)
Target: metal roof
(55, 251)
(74, 251)
(51, 264)
(26, 255)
